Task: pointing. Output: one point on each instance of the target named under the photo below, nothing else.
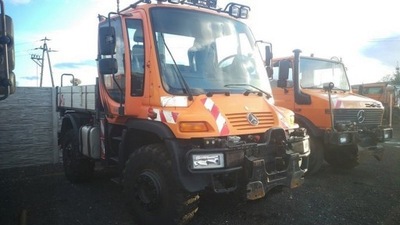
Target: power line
(39, 60)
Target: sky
(364, 34)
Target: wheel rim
(148, 190)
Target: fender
(74, 121)
(155, 127)
(311, 128)
(190, 183)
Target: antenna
(117, 6)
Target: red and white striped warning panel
(337, 103)
(165, 116)
(219, 118)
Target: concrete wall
(28, 128)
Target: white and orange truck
(182, 105)
(339, 122)
(7, 54)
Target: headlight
(208, 161)
(301, 146)
(387, 134)
(344, 138)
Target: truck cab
(339, 122)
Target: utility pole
(39, 60)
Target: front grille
(239, 120)
(372, 117)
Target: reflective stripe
(165, 116)
(218, 117)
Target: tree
(393, 78)
(75, 81)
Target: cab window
(137, 59)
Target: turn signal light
(193, 127)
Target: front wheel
(343, 157)
(77, 167)
(316, 157)
(153, 193)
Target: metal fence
(28, 128)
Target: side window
(116, 84)
(373, 90)
(136, 43)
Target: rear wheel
(343, 157)
(153, 193)
(316, 157)
(77, 167)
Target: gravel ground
(368, 194)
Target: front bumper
(255, 168)
(366, 140)
(340, 138)
(384, 134)
(369, 142)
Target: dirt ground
(368, 194)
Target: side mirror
(7, 56)
(268, 55)
(328, 86)
(108, 66)
(283, 73)
(107, 40)
(7, 39)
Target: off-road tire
(153, 193)
(316, 158)
(77, 167)
(344, 157)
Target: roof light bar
(204, 3)
(170, 1)
(237, 10)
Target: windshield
(204, 53)
(314, 73)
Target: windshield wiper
(211, 93)
(339, 89)
(247, 92)
(181, 79)
(313, 87)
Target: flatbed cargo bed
(76, 98)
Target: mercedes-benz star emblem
(361, 116)
(253, 120)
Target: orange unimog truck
(384, 92)
(182, 105)
(7, 55)
(338, 122)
